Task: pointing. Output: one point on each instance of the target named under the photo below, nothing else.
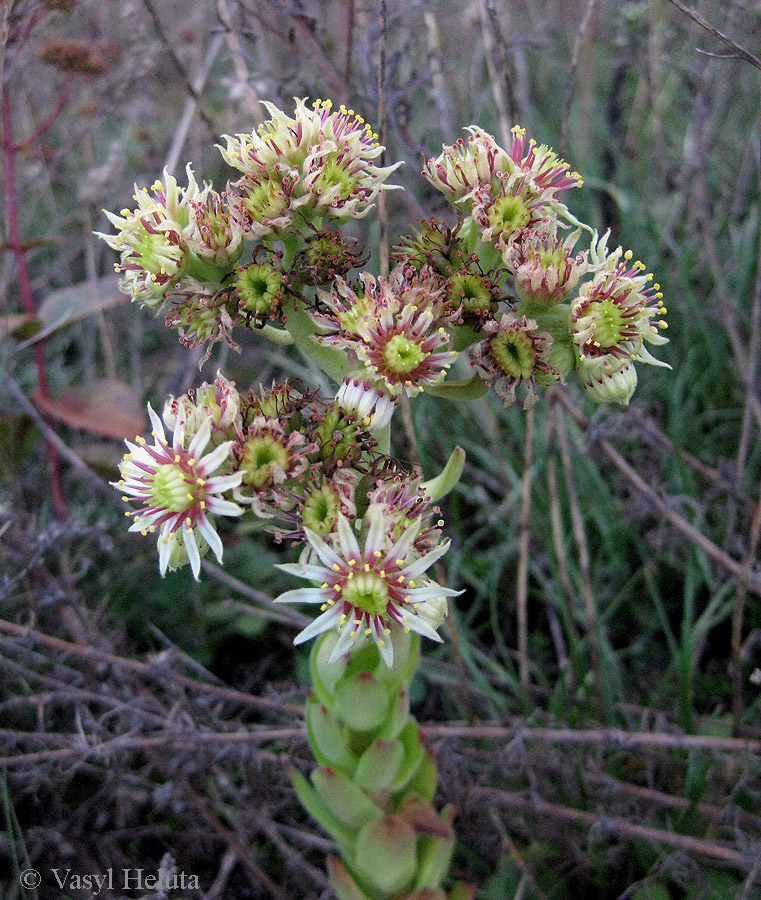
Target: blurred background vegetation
(596, 712)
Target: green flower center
(266, 200)
(334, 175)
(609, 323)
(263, 456)
(509, 214)
(320, 511)
(172, 490)
(514, 353)
(471, 291)
(157, 256)
(366, 591)
(402, 355)
(258, 286)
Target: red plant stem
(14, 235)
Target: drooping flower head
(181, 489)
(320, 162)
(614, 313)
(612, 383)
(514, 353)
(368, 584)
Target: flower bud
(612, 383)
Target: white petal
(156, 425)
(431, 592)
(222, 483)
(386, 651)
(419, 625)
(223, 507)
(303, 570)
(402, 547)
(303, 595)
(323, 551)
(425, 562)
(201, 439)
(212, 461)
(345, 640)
(211, 537)
(349, 546)
(377, 531)
(194, 557)
(165, 545)
(321, 624)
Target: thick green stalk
(373, 790)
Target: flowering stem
(332, 362)
(14, 234)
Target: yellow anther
(324, 586)
(336, 567)
(352, 562)
(628, 254)
(381, 643)
(353, 634)
(368, 631)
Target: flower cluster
(320, 162)
(505, 294)
(591, 311)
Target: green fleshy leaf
(343, 884)
(413, 754)
(386, 855)
(434, 855)
(325, 675)
(321, 812)
(361, 702)
(465, 336)
(462, 891)
(206, 272)
(459, 390)
(333, 362)
(423, 781)
(348, 803)
(398, 716)
(443, 483)
(379, 765)
(276, 335)
(328, 738)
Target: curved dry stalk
(532, 805)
